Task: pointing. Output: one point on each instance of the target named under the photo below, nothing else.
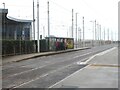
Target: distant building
(14, 29)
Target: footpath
(18, 58)
(101, 72)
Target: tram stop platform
(18, 58)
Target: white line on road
(46, 74)
(44, 66)
(31, 80)
(26, 71)
(102, 53)
(107, 51)
(68, 77)
(99, 54)
(51, 72)
(82, 55)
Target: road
(45, 71)
(101, 72)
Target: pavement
(18, 58)
(101, 72)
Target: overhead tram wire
(93, 10)
(62, 10)
(52, 9)
(60, 6)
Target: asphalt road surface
(43, 72)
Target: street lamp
(3, 5)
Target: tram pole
(76, 30)
(38, 26)
(72, 21)
(83, 33)
(48, 20)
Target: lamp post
(3, 5)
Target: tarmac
(18, 58)
(101, 72)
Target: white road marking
(68, 77)
(46, 74)
(82, 61)
(26, 71)
(99, 54)
(30, 81)
(82, 55)
(102, 53)
(60, 69)
(107, 51)
(44, 66)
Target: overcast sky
(105, 12)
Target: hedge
(13, 47)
